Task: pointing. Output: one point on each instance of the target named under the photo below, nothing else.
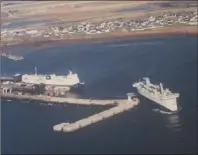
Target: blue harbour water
(108, 70)
(20, 23)
(162, 5)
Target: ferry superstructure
(52, 79)
(69, 80)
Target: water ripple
(174, 123)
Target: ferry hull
(169, 103)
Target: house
(194, 19)
(152, 19)
(31, 31)
(107, 30)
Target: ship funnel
(70, 72)
(161, 88)
(147, 81)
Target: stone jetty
(121, 107)
(44, 98)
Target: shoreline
(190, 30)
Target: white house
(31, 32)
(152, 19)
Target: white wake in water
(135, 44)
(166, 112)
(118, 45)
(162, 112)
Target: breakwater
(121, 107)
(48, 99)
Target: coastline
(187, 30)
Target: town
(85, 29)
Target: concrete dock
(121, 107)
(48, 99)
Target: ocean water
(108, 70)
(161, 5)
(20, 23)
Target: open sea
(108, 70)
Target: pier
(44, 98)
(12, 57)
(121, 107)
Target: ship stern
(78, 88)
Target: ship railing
(170, 96)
